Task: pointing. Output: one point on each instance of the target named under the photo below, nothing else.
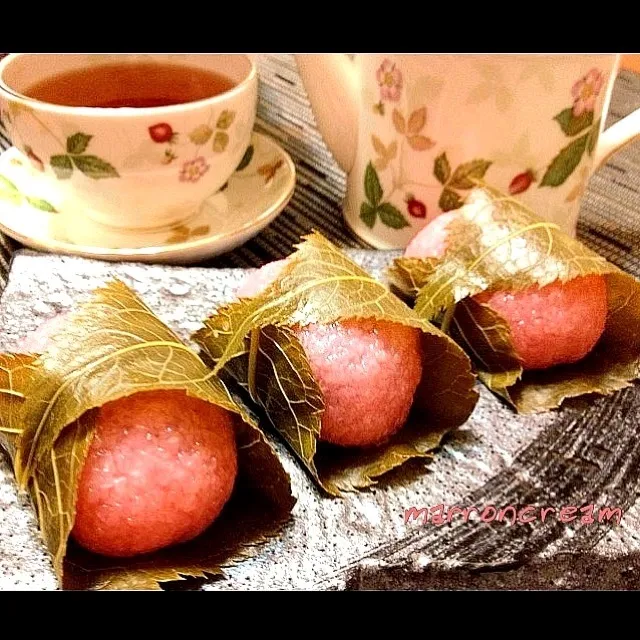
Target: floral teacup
(128, 167)
(416, 132)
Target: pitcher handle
(617, 136)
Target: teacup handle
(616, 137)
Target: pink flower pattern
(390, 80)
(193, 170)
(585, 91)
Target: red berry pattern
(521, 182)
(161, 132)
(416, 208)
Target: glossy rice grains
(367, 370)
(159, 470)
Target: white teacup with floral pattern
(131, 168)
(414, 132)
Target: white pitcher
(414, 132)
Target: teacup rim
(127, 112)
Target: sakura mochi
(367, 370)
(160, 468)
(556, 324)
(559, 323)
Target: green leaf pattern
(465, 177)
(89, 165)
(470, 174)
(569, 157)
(564, 164)
(78, 143)
(11, 194)
(374, 209)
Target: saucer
(255, 194)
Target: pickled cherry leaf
(613, 364)
(283, 386)
(496, 243)
(443, 402)
(15, 371)
(113, 346)
(53, 486)
(258, 509)
(486, 337)
(320, 284)
(409, 275)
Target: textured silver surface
(326, 535)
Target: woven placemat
(610, 214)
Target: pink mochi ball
(367, 370)
(559, 323)
(159, 470)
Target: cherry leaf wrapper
(252, 340)
(111, 347)
(15, 371)
(499, 244)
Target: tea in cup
(133, 141)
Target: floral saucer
(255, 194)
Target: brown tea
(135, 84)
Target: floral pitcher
(416, 132)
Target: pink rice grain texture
(257, 281)
(367, 370)
(431, 241)
(556, 324)
(159, 470)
